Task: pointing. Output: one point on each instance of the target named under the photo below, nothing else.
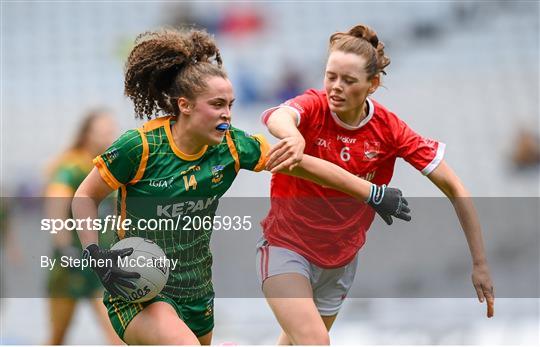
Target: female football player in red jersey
(307, 258)
(179, 74)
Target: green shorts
(197, 314)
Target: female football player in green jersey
(67, 286)
(181, 164)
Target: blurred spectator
(183, 14)
(246, 88)
(291, 83)
(241, 21)
(465, 12)
(427, 30)
(66, 286)
(10, 251)
(526, 151)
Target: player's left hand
(286, 154)
(106, 267)
(389, 202)
(484, 287)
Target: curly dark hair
(167, 64)
(362, 40)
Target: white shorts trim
(330, 286)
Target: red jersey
(326, 226)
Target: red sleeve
(303, 105)
(421, 152)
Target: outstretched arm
(387, 202)
(288, 157)
(332, 176)
(450, 184)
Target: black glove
(388, 203)
(112, 277)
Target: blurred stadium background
(466, 73)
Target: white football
(149, 260)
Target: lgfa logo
(161, 183)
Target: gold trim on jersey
(155, 123)
(144, 158)
(107, 176)
(264, 147)
(176, 150)
(234, 152)
(123, 193)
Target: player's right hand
(106, 267)
(286, 154)
(389, 202)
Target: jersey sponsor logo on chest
(345, 139)
(326, 143)
(322, 142)
(182, 208)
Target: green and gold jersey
(66, 175)
(157, 181)
(70, 170)
(64, 178)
